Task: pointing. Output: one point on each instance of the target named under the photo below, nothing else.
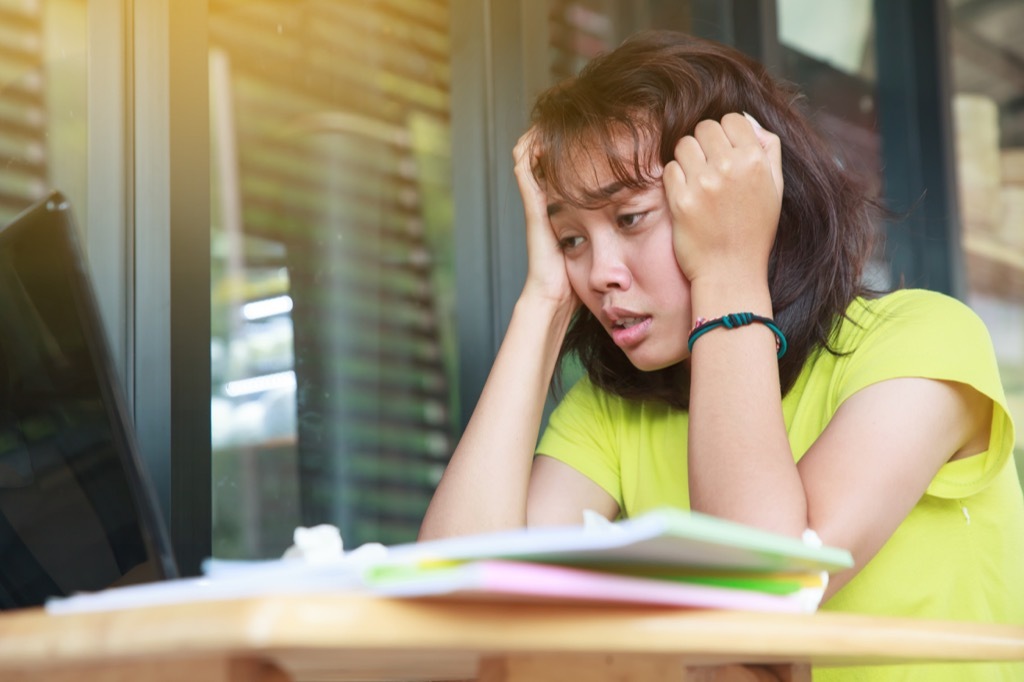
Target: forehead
(612, 194)
(594, 168)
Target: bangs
(573, 159)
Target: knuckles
(713, 183)
(683, 143)
(734, 118)
(706, 126)
(683, 203)
(523, 149)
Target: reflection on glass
(828, 51)
(43, 95)
(838, 34)
(988, 75)
(332, 348)
(579, 30)
(69, 486)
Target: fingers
(713, 138)
(690, 156)
(740, 128)
(525, 155)
(772, 146)
(673, 179)
(715, 143)
(546, 269)
(759, 132)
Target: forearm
(740, 462)
(485, 484)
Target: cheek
(579, 275)
(660, 267)
(665, 269)
(667, 285)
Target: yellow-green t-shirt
(959, 555)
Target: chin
(646, 363)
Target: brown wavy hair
(655, 88)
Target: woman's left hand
(724, 190)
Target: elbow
(782, 519)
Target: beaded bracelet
(733, 320)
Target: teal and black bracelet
(733, 320)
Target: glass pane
(332, 345)
(582, 29)
(827, 50)
(988, 78)
(43, 80)
(836, 35)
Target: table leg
(796, 673)
(616, 668)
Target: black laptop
(77, 512)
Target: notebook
(77, 512)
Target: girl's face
(621, 264)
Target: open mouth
(627, 322)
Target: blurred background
(305, 235)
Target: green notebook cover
(662, 537)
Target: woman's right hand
(546, 276)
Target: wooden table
(350, 637)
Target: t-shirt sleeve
(930, 335)
(580, 433)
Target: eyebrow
(609, 190)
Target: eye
(569, 243)
(628, 220)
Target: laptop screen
(76, 511)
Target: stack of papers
(665, 557)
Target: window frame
(149, 197)
(169, 289)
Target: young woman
(702, 252)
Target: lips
(628, 328)
(628, 322)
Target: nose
(608, 268)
